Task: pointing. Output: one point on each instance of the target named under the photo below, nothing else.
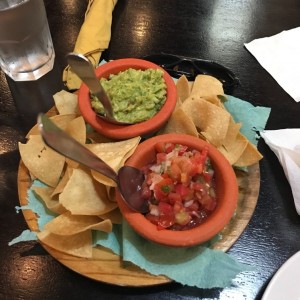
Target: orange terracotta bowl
(226, 192)
(120, 132)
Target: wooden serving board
(107, 267)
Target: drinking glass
(26, 48)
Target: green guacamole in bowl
(136, 95)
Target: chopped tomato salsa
(179, 187)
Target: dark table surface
(208, 29)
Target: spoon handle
(85, 71)
(64, 144)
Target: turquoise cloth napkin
(253, 118)
(45, 215)
(197, 266)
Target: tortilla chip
(44, 193)
(43, 162)
(234, 150)
(76, 129)
(114, 216)
(249, 157)
(216, 101)
(180, 122)
(62, 183)
(72, 164)
(211, 120)
(67, 224)
(127, 154)
(183, 88)
(232, 133)
(114, 151)
(114, 154)
(59, 120)
(94, 137)
(191, 83)
(111, 193)
(66, 103)
(78, 244)
(207, 87)
(178, 103)
(84, 196)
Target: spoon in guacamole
(129, 179)
(83, 68)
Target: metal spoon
(83, 68)
(129, 179)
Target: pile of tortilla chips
(200, 112)
(83, 199)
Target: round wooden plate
(107, 267)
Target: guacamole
(136, 95)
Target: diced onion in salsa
(179, 187)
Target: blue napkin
(197, 266)
(253, 118)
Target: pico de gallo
(179, 187)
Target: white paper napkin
(285, 143)
(280, 56)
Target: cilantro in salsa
(179, 187)
(136, 95)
